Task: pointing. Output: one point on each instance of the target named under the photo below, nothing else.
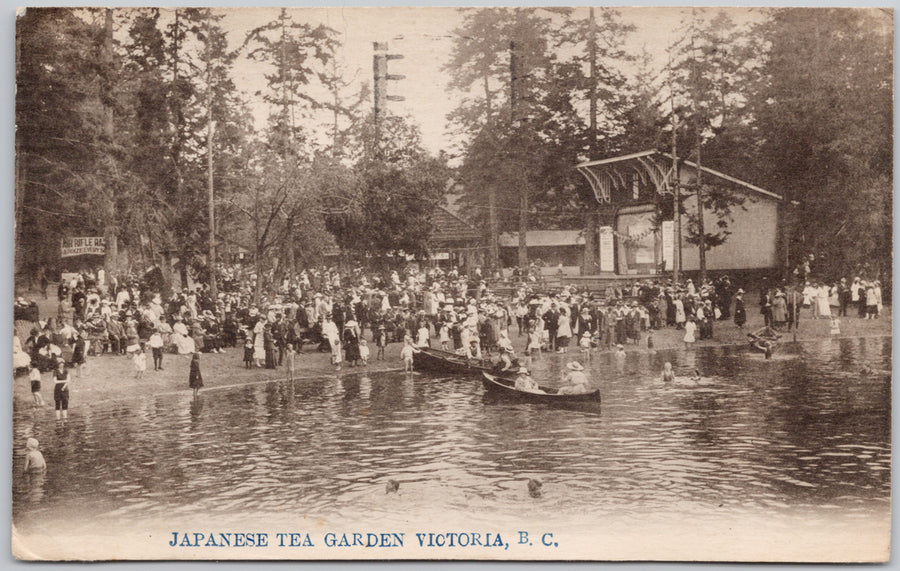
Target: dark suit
(551, 322)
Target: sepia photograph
(506, 283)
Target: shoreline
(113, 376)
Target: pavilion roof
(449, 227)
(651, 166)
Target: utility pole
(380, 69)
(694, 96)
(592, 94)
(490, 128)
(676, 247)
(592, 242)
(700, 224)
(523, 183)
(210, 129)
(20, 179)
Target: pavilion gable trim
(604, 175)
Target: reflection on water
(803, 431)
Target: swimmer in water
(534, 488)
(668, 375)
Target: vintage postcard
(502, 283)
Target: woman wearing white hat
(524, 382)
(575, 382)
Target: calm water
(804, 431)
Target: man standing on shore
(551, 322)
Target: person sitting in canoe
(524, 382)
(507, 362)
(473, 351)
(575, 382)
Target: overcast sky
(424, 36)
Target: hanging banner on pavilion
(82, 246)
(668, 242)
(607, 259)
(643, 243)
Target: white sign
(668, 243)
(82, 246)
(607, 258)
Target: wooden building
(455, 242)
(635, 233)
(549, 249)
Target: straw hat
(522, 371)
(574, 366)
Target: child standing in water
(289, 360)
(156, 347)
(195, 379)
(444, 335)
(406, 354)
(34, 460)
(381, 341)
(620, 358)
(140, 362)
(35, 377)
(363, 352)
(533, 339)
(61, 390)
(585, 344)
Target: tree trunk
(592, 56)
(523, 226)
(493, 229)
(213, 286)
(700, 225)
(110, 261)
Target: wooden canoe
(763, 337)
(506, 388)
(444, 362)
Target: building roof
(606, 174)
(537, 238)
(448, 227)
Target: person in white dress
(680, 317)
(822, 306)
(259, 342)
(184, 343)
(689, 329)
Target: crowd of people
(330, 311)
(783, 306)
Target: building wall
(752, 244)
(551, 256)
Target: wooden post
(210, 129)
(523, 183)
